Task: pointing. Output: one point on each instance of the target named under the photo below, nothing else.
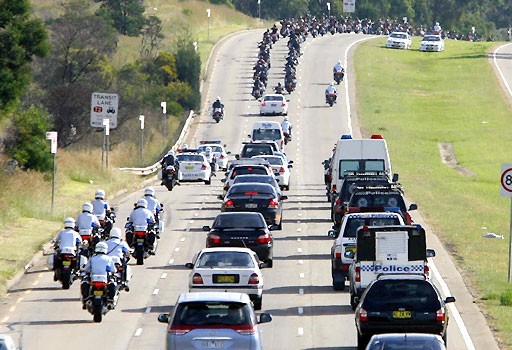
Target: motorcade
(431, 42)
(218, 150)
(227, 269)
(410, 341)
(242, 229)
(281, 170)
(213, 320)
(273, 104)
(344, 246)
(385, 250)
(193, 167)
(268, 131)
(399, 40)
(261, 198)
(408, 303)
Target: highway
(307, 313)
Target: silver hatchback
(213, 320)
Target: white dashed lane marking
(301, 291)
(171, 261)
(300, 331)
(301, 311)
(155, 292)
(164, 276)
(138, 332)
(301, 275)
(148, 310)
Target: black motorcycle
(171, 178)
(143, 240)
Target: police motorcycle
(107, 222)
(172, 177)
(338, 76)
(66, 264)
(90, 237)
(138, 237)
(217, 114)
(330, 98)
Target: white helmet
(170, 153)
(101, 247)
(149, 191)
(100, 194)
(339, 62)
(87, 207)
(185, 146)
(285, 119)
(142, 203)
(331, 84)
(69, 223)
(218, 98)
(208, 149)
(115, 233)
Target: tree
(127, 16)
(151, 37)
(21, 38)
(188, 63)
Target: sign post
(209, 13)
(259, 10)
(141, 118)
(506, 191)
(52, 136)
(329, 9)
(164, 111)
(106, 141)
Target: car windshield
(377, 199)
(225, 259)
(213, 314)
(214, 148)
(353, 224)
(3, 346)
(407, 343)
(189, 158)
(236, 220)
(255, 150)
(243, 170)
(273, 98)
(389, 295)
(399, 35)
(432, 38)
(266, 134)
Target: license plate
(273, 104)
(189, 167)
(251, 205)
(402, 314)
(97, 292)
(66, 263)
(225, 279)
(214, 344)
(140, 240)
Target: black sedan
(255, 197)
(243, 229)
(401, 303)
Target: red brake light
(229, 203)
(338, 201)
(221, 156)
(426, 270)
(281, 170)
(214, 239)
(358, 274)
(203, 167)
(254, 279)
(249, 168)
(263, 103)
(334, 188)
(363, 315)
(283, 104)
(264, 238)
(179, 330)
(139, 234)
(440, 315)
(354, 209)
(337, 252)
(251, 193)
(377, 137)
(65, 256)
(273, 203)
(197, 279)
(244, 329)
(408, 219)
(98, 285)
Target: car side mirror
(206, 228)
(332, 234)
(395, 177)
(431, 253)
(249, 136)
(265, 318)
(189, 265)
(273, 227)
(263, 265)
(163, 318)
(284, 197)
(127, 218)
(413, 207)
(290, 166)
(290, 162)
(228, 152)
(220, 197)
(449, 300)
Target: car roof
(402, 277)
(384, 336)
(246, 213)
(255, 185)
(372, 214)
(214, 296)
(226, 249)
(281, 95)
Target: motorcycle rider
(141, 216)
(338, 68)
(86, 220)
(67, 238)
(279, 89)
(102, 210)
(287, 127)
(119, 251)
(218, 104)
(101, 266)
(167, 160)
(330, 90)
(153, 205)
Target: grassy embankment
(417, 100)
(26, 221)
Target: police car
(193, 166)
(218, 150)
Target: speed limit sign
(506, 180)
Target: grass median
(418, 100)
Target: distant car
(399, 40)
(273, 104)
(255, 149)
(193, 166)
(401, 303)
(260, 198)
(227, 269)
(281, 170)
(218, 150)
(6, 342)
(245, 170)
(213, 320)
(266, 179)
(408, 341)
(242, 229)
(432, 43)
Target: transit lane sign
(104, 106)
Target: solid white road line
(502, 76)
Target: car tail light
(222, 156)
(408, 219)
(263, 103)
(363, 315)
(273, 203)
(244, 329)
(139, 234)
(65, 256)
(283, 104)
(251, 193)
(197, 279)
(358, 274)
(254, 279)
(338, 201)
(229, 203)
(281, 170)
(264, 238)
(354, 209)
(179, 330)
(377, 137)
(334, 188)
(426, 270)
(337, 252)
(214, 239)
(282, 144)
(203, 167)
(440, 315)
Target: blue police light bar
(346, 137)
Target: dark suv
(401, 303)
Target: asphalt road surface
(307, 313)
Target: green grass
(418, 99)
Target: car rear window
(360, 166)
(190, 158)
(225, 259)
(404, 343)
(274, 160)
(239, 220)
(214, 148)
(354, 223)
(213, 314)
(386, 295)
(251, 189)
(256, 170)
(381, 199)
(273, 98)
(266, 134)
(432, 38)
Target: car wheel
(257, 303)
(269, 263)
(208, 182)
(353, 301)
(338, 280)
(280, 225)
(445, 337)
(362, 341)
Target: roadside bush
(506, 298)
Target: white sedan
(432, 43)
(194, 166)
(281, 169)
(399, 40)
(227, 269)
(274, 104)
